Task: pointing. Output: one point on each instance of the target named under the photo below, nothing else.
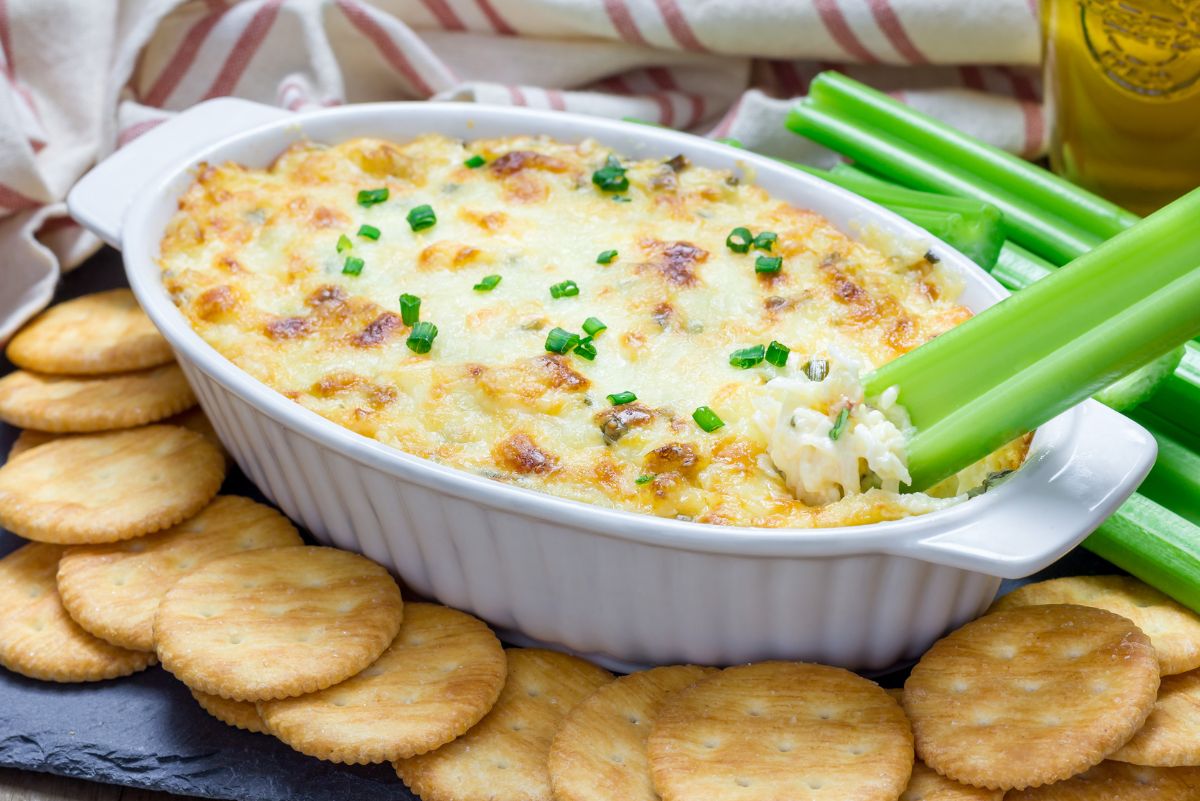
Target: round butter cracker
(107, 487)
(29, 439)
(1116, 781)
(239, 714)
(504, 755)
(1173, 629)
(63, 404)
(276, 622)
(1171, 735)
(37, 637)
(113, 590)
(106, 332)
(1030, 695)
(441, 674)
(599, 752)
(777, 730)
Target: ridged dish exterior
(620, 602)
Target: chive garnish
(839, 424)
(368, 232)
(816, 369)
(369, 197)
(421, 217)
(344, 243)
(644, 478)
(585, 349)
(707, 419)
(410, 309)
(488, 283)
(606, 257)
(561, 341)
(777, 353)
(746, 358)
(622, 199)
(765, 241)
(420, 339)
(593, 326)
(475, 161)
(768, 264)
(611, 177)
(617, 398)
(565, 289)
(739, 240)
(353, 266)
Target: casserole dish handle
(1053, 502)
(99, 200)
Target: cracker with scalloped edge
(438, 678)
(30, 438)
(239, 714)
(108, 487)
(106, 332)
(504, 755)
(1171, 735)
(599, 751)
(1117, 781)
(193, 419)
(1173, 629)
(37, 637)
(1031, 695)
(926, 784)
(64, 403)
(276, 622)
(113, 590)
(777, 730)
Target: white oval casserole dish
(625, 589)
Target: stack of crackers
(1069, 690)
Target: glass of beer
(1123, 84)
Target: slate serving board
(147, 731)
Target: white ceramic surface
(623, 588)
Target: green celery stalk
(1174, 481)
(1035, 354)
(892, 157)
(970, 226)
(1178, 399)
(1039, 188)
(1016, 268)
(1154, 544)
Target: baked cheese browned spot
(251, 259)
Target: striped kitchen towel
(83, 78)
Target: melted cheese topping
(251, 259)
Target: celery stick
(1131, 391)
(1026, 224)
(1174, 481)
(1033, 355)
(1178, 400)
(1017, 268)
(1039, 188)
(1154, 544)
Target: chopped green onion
(565, 289)
(475, 161)
(353, 266)
(839, 424)
(585, 349)
(777, 354)
(593, 326)
(816, 369)
(618, 398)
(420, 339)
(368, 232)
(488, 283)
(644, 478)
(622, 199)
(606, 257)
(746, 358)
(344, 243)
(739, 240)
(707, 419)
(611, 177)
(421, 217)
(370, 197)
(410, 309)
(561, 341)
(765, 241)
(765, 265)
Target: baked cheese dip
(643, 335)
